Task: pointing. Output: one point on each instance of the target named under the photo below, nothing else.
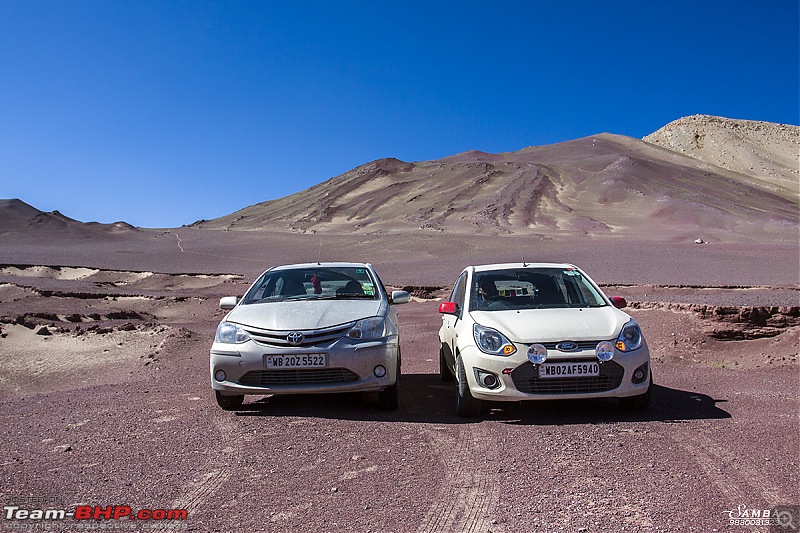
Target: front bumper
(518, 379)
(351, 368)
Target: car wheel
(466, 405)
(640, 402)
(389, 398)
(229, 403)
(445, 374)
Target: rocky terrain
(105, 332)
(764, 151)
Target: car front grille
(315, 337)
(582, 345)
(526, 379)
(300, 376)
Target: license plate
(302, 360)
(569, 370)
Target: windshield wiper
(354, 295)
(303, 297)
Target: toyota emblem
(294, 338)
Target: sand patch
(46, 272)
(201, 281)
(36, 363)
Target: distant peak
(389, 165)
(14, 202)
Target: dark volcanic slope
(16, 216)
(604, 184)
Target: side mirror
(400, 297)
(619, 302)
(448, 308)
(228, 302)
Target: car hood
(554, 325)
(303, 314)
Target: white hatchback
(526, 331)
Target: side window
(459, 292)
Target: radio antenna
(521, 255)
(319, 251)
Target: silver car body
(308, 336)
(570, 333)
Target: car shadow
(424, 398)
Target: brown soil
(114, 406)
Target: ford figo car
(513, 332)
(309, 328)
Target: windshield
(313, 283)
(532, 288)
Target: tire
(445, 374)
(640, 402)
(389, 398)
(229, 403)
(466, 405)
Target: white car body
(299, 329)
(569, 329)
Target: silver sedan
(309, 328)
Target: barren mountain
(768, 152)
(698, 177)
(17, 216)
(603, 184)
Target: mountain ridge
(601, 184)
(671, 184)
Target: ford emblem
(294, 338)
(567, 346)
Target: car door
(449, 337)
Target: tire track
(749, 476)
(201, 491)
(726, 470)
(467, 496)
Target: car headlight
(630, 338)
(368, 328)
(491, 341)
(230, 333)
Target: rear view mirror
(448, 308)
(228, 302)
(619, 302)
(400, 297)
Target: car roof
(321, 265)
(506, 266)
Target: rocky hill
(603, 184)
(16, 216)
(768, 152)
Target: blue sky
(162, 113)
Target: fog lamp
(487, 379)
(640, 374)
(604, 351)
(380, 371)
(537, 354)
(220, 375)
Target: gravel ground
(142, 429)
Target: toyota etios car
(310, 328)
(520, 331)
